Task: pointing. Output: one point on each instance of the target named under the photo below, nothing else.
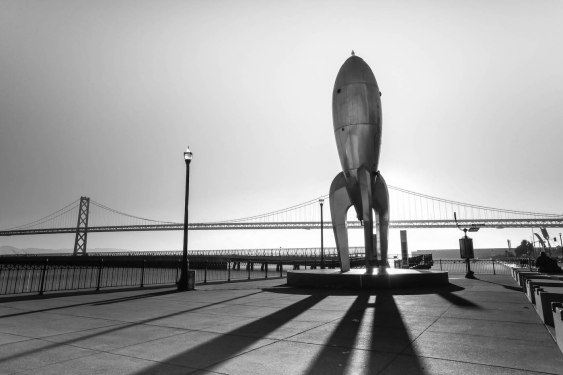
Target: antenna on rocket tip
(353, 54)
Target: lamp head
(188, 155)
(321, 201)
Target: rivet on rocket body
(356, 114)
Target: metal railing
(237, 270)
(478, 266)
(44, 275)
(40, 275)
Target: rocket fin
(339, 205)
(381, 206)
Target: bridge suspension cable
(417, 206)
(305, 214)
(405, 205)
(63, 218)
(101, 215)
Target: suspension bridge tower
(82, 227)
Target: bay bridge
(409, 210)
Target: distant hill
(9, 250)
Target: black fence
(478, 266)
(39, 275)
(61, 273)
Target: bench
(557, 316)
(532, 284)
(545, 295)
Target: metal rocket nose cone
(354, 69)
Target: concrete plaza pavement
(483, 326)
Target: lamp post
(321, 202)
(466, 246)
(183, 282)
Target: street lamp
(321, 202)
(183, 283)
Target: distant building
(500, 252)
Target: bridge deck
(548, 222)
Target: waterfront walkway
(484, 326)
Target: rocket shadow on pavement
(387, 339)
(233, 343)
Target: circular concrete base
(360, 279)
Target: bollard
(229, 272)
(494, 272)
(266, 269)
(205, 274)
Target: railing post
(99, 278)
(99, 274)
(205, 273)
(229, 272)
(266, 269)
(143, 273)
(43, 276)
(248, 267)
(281, 269)
(440, 264)
(494, 272)
(178, 269)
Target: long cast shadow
(387, 314)
(227, 345)
(510, 287)
(118, 328)
(113, 300)
(458, 300)
(329, 361)
(446, 292)
(388, 334)
(71, 293)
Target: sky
(101, 98)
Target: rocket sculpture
(356, 114)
